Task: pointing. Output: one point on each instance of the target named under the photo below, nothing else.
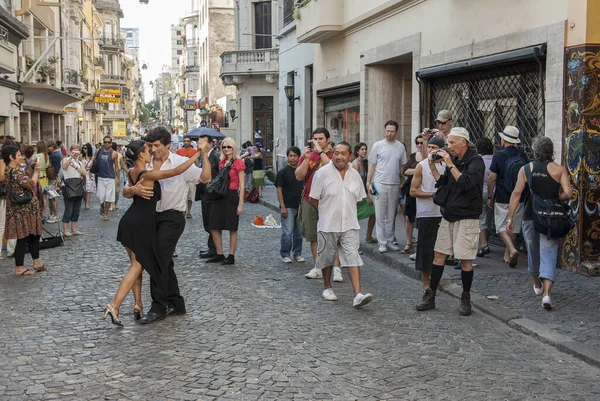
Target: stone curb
(512, 318)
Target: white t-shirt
(388, 159)
(337, 198)
(70, 171)
(425, 206)
(487, 160)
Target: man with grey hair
(462, 185)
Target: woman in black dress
(137, 228)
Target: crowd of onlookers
(450, 189)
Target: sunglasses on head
(226, 147)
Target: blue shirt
(55, 160)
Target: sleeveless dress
(137, 229)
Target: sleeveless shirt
(425, 206)
(106, 165)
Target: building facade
(408, 59)
(253, 68)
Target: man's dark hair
(187, 137)
(293, 149)
(484, 146)
(344, 143)
(8, 151)
(321, 130)
(159, 134)
(29, 151)
(391, 122)
(107, 136)
(58, 143)
(357, 148)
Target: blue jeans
(72, 209)
(291, 235)
(542, 252)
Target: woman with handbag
(73, 174)
(87, 158)
(23, 218)
(365, 208)
(226, 211)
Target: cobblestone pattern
(575, 297)
(258, 331)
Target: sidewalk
(573, 326)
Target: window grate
(486, 101)
(288, 12)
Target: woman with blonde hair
(43, 160)
(225, 212)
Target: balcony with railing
(239, 63)
(111, 79)
(192, 68)
(319, 20)
(71, 79)
(112, 44)
(116, 115)
(98, 62)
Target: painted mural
(581, 249)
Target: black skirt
(223, 213)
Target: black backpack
(512, 166)
(550, 217)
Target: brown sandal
(25, 272)
(407, 249)
(42, 268)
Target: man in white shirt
(336, 190)
(383, 180)
(170, 219)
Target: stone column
(581, 130)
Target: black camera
(436, 156)
(310, 144)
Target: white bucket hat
(461, 133)
(510, 134)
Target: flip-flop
(25, 272)
(42, 268)
(105, 218)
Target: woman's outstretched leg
(128, 281)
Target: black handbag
(217, 188)
(20, 198)
(73, 188)
(3, 189)
(441, 196)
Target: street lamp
(289, 93)
(20, 98)
(232, 114)
(79, 121)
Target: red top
(314, 158)
(186, 152)
(234, 178)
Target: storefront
(342, 113)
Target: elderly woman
(225, 212)
(73, 174)
(23, 220)
(549, 181)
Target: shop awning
(46, 98)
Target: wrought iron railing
(71, 77)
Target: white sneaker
(77, 232)
(538, 291)
(337, 275)
(68, 234)
(112, 208)
(394, 247)
(382, 249)
(314, 273)
(413, 256)
(52, 219)
(329, 295)
(547, 302)
(286, 259)
(362, 299)
(300, 259)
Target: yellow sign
(107, 96)
(119, 129)
(70, 109)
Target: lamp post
(79, 121)
(289, 94)
(19, 98)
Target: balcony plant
(298, 5)
(46, 71)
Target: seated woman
(137, 228)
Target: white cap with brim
(510, 134)
(461, 133)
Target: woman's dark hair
(88, 150)
(8, 151)
(134, 149)
(29, 151)
(543, 149)
(293, 149)
(114, 146)
(420, 136)
(357, 148)
(159, 134)
(484, 146)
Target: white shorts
(459, 238)
(501, 215)
(105, 190)
(346, 243)
(191, 195)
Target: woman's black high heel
(113, 313)
(138, 312)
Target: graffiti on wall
(581, 249)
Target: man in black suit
(207, 204)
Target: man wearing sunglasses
(108, 165)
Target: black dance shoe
(229, 260)
(151, 317)
(216, 259)
(207, 254)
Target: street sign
(107, 96)
(119, 129)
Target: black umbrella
(196, 133)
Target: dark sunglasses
(108, 142)
(226, 147)
(419, 143)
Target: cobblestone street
(257, 330)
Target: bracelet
(451, 167)
(508, 220)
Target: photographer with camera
(460, 197)
(444, 122)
